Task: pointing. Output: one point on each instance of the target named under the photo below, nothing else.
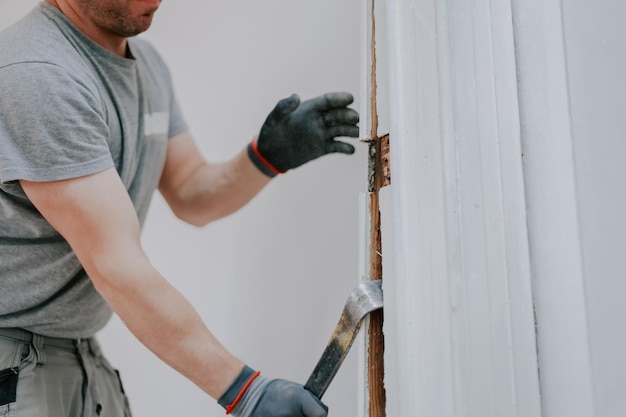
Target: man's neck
(109, 41)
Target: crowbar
(364, 299)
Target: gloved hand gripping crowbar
(364, 299)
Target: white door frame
(459, 317)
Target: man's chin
(140, 26)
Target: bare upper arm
(95, 215)
(182, 161)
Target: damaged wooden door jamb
(378, 176)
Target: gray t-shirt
(70, 108)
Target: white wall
(271, 280)
(573, 98)
(596, 49)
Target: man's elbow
(198, 217)
(119, 269)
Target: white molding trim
(460, 335)
(553, 218)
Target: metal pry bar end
(364, 299)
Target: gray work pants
(51, 377)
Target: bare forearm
(210, 191)
(218, 190)
(165, 322)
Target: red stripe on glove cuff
(265, 162)
(243, 391)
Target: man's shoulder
(35, 39)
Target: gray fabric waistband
(24, 336)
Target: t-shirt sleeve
(52, 125)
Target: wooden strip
(375, 357)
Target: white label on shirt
(156, 123)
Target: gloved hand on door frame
(295, 133)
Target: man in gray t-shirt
(89, 129)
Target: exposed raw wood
(375, 358)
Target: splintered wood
(376, 338)
(379, 175)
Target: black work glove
(265, 397)
(295, 133)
